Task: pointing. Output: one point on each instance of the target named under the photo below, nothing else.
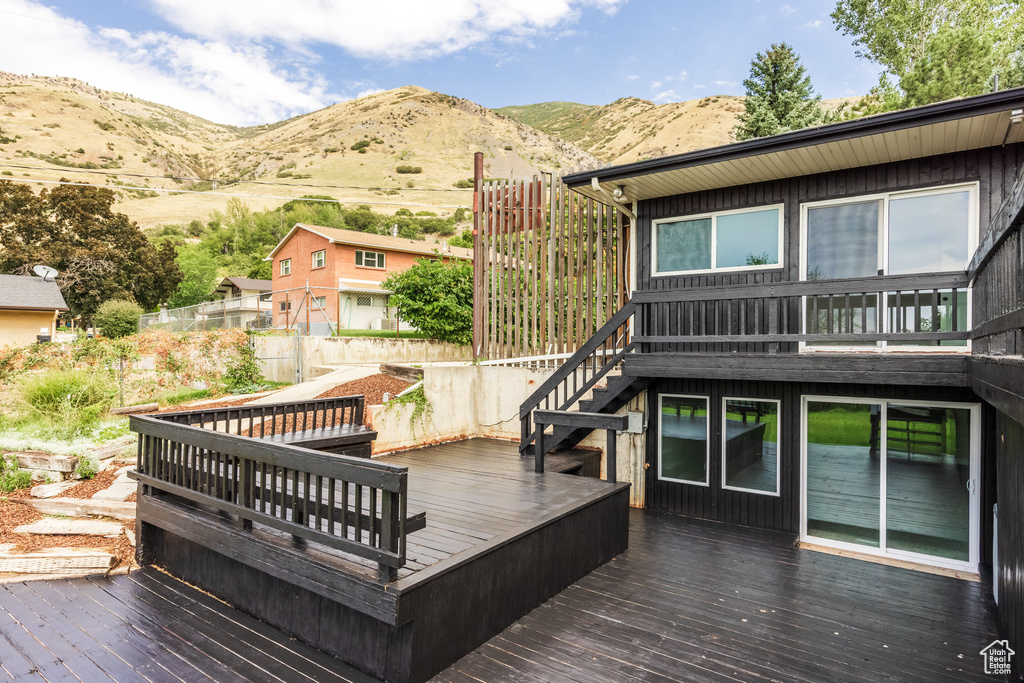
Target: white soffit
(975, 132)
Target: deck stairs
(594, 371)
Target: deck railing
(578, 375)
(354, 505)
(898, 310)
(276, 418)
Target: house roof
(365, 239)
(952, 126)
(28, 292)
(248, 283)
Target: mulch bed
(373, 388)
(226, 403)
(14, 514)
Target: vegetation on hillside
(236, 242)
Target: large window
(319, 258)
(369, 259)
(750, 449)
(286, 266)
(928, 231)
(896, 478)
(683, 441)
(729, 240)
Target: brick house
(340, 272)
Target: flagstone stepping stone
(71, 527)
(52, 490)
(81, 507)
(54, 561)
(122, 487)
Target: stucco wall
(21, 327)
(278, 354)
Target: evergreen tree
(780, 97)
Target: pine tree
(780, 97)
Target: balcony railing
(894, 312)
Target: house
(235, 287)
(241, 302)
(827, 324)
(29, 307)
(332, 276)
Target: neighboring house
(827, 324)
(244, 302)
(343, 270)
(29, 306)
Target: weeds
(70, 402)
(87, 468)
(11, 478)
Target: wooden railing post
(538, 445)
(612, 464)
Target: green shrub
(425, 213)
(403, 212)
(436, 297)
(118, 318)
(404, 168)
(464, 184)
(70, 401)
(245, 372)
(87, 468)
(362, 144)
(11, 478)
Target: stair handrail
(596, 346)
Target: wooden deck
(146, 626)
(693, 600)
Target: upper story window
(369, 259)
(746, 239)
(286, 266)
(319, 258)
(926, 231)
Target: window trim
(285, 306)
(316, 301)
(777, 493)
(713, 215)
(323, 254)
(707, 439)
(282, 267)
(973, 235)
(379, 258)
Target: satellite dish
(45, 272)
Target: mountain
(630, 129)
(60, 127)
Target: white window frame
(286, 266)
(707, 439)
(778, 445)
(323, 259)
(883, 258)
(378, 258)
(974, 513)
(320, 301)
(714, 215)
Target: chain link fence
(317, 311)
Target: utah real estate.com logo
(997, 658)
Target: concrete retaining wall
(279, 355)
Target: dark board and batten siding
(994, 169)
(1009, 447)
(782, 512)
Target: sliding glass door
(896, 478)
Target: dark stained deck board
(146, 626)
(695, 600)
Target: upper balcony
(904, 328)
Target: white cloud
(726, 84)
(396, 30)
(238, 84)
(656, 84)
(787, 9)
(666, 96)
(632, 77)
(699, 86)
(817, 23)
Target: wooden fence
(549, 267)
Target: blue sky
(246, 62)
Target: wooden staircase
(598, 359)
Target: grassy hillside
(60, 127)
(630, 129)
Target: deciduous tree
(437, 297)
(101, 254)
